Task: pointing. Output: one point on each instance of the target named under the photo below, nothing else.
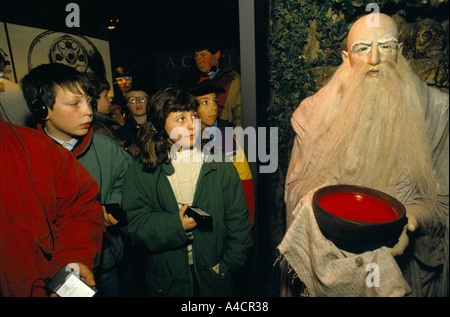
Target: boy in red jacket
(49, 213)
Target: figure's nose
(374, 57)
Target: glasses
(137, 99)
(124, 79)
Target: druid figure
(375, 124)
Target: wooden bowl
(358, 219)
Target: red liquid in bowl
(357, 207)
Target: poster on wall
(30, 47)
(5, 52)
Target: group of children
(154, 188)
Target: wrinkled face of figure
(371, 46)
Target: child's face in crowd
(181, 129)
(207, 111)
(137, 103)
(124, 83)
(71, 115)
(104, 103)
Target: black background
(144, 27)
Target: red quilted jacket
(63, 198)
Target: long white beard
(373, 134)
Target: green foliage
(290, 72)
(289, 75)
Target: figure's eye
(388, 48)
(361, 49)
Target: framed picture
(29, 47)
(5, 52)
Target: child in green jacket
(184, 258)
(60, 98)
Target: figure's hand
(187, 222)
(412, 222)
(402, 244)
(403, 240)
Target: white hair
(372, 133)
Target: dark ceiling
(144, 26)
(153, 23)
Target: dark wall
(145, 30)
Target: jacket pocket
(217, 281)
(167, 286)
